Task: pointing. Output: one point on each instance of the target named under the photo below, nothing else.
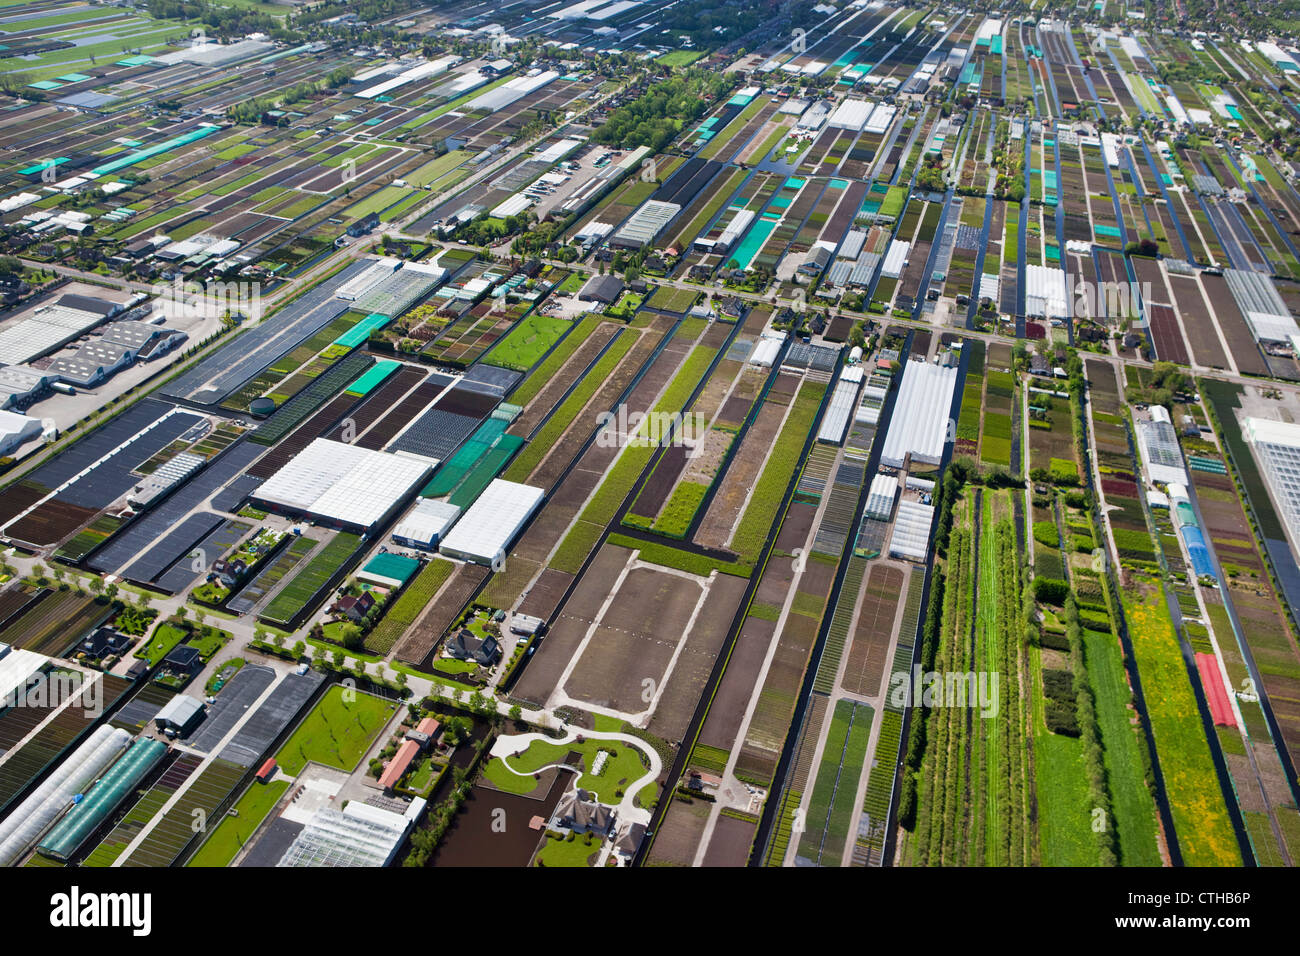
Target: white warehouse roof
(920, 421)
(426, 523)
(491, 523)
(342, 482)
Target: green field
(304, 585)
(527, 342)
(677, 58)
(337, 732)
(234, 831)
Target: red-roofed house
(398, 766)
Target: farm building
(425, 524)
(16, 430)
(919, 426)
(880, 497)
(488, 527)
(390, 570)
(342, 484)
(911, 537)
(1265, 311)
(180, 714)
(66, 837)
(644, 226)
(1277, 449)
(1160, 448)
(357, 835)
(843, 400)
(29, 820)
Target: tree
(352, 637)
(299, 648)
(516, 713)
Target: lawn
(337, 732)
(559, 355)
(234, 831)
(677, 58)
(579, 851)
(622, 768)
(163, 641)
(527, 342)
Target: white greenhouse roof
(841, 408)
(919, 425)
(911, 538)
(880, 499)
(490, 524)
(357, 835)
(342, 482)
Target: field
(527, 342)
(338, 731)
(305, 586)
(402, 613)
(233, 832)
(1201, 821)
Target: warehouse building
(424, 525)
(16, 430)
(919, 426)
(47, 328)
(22, 386)
(179, 715)
(341, 484)
(490, 525)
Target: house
(464, 645)
(363, 225)
(183, 661)
(104, 641)
(579, 812)
(354, 608)
(424, 733)
(630, 841)
(1038, 365)
(229, 573)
